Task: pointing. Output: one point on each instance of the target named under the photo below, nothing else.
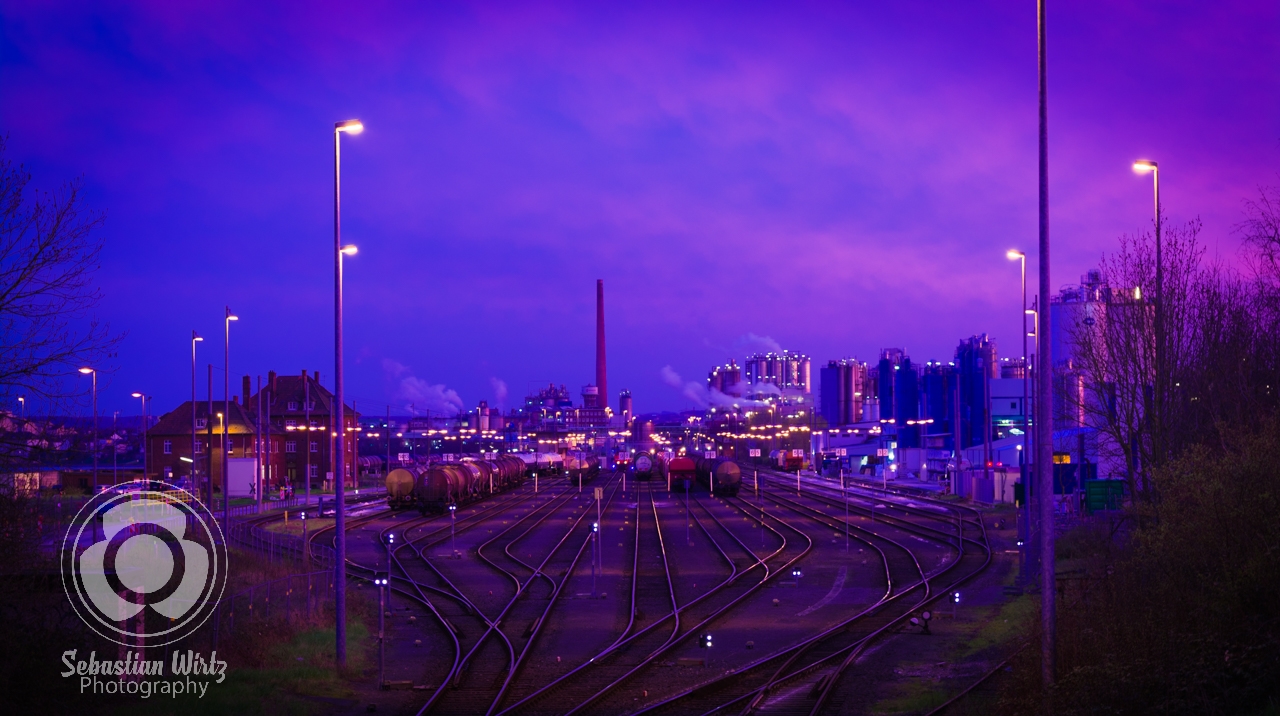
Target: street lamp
(94, 373)
(1143, 166)
(22, 401)
(144, 432)
(350, 126)
(1025, 529)
(195, 338)
(226, 410)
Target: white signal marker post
(599, 523)
(595, 533)
(845, 491)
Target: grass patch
(914, 696)
(292, 666)
(1008, 624)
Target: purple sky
(835, 179)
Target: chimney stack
(601, 381)
(271, 381)
(247, 388)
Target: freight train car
(433, 488)
(582, 467)
(542, 463)
(400, 482)
(682, 472)
(642, 467)
(721, 476)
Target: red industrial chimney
(601, 380)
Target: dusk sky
(828, 178)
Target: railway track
(777, 683)
(487, 613)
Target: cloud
(752, 342)
(499, 392)
(701, 395)
(416, 394)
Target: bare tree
(1260, 231)
(1115, 349)
(49, 251)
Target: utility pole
(262, 468)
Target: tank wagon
(433, 488)
(721, 476)
(648, 467)
(400, 482)
(583, 467)
(545, 463)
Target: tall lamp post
(226, 411)
(195, 338)
(93, 372)
(1024, 531)
(144, 432)
(1143, 166)
(1044, 380)
(350, 126)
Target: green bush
(1180, 617)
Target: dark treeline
(1172, 607)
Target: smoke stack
(247, 388)
(601, 380)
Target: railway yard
(551, 601)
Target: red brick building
(169, 441)
(297, 436)
(300, 410)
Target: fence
(268, 505)
(278, 546)
(298, 595)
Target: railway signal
(306, 551)
(705, 642)
(595, 539)
(955, 603)
(381, 580)
(453, 528)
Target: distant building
(787, 373)
(890, 360)
(976, 364)
(726, 378)
(843, 391)
(624, 407)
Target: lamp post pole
(195, 338)
(1024, 526)
(351, 126)
(94, 373)
(226, 413)
(144, 432)
(1143, 166)
(1044, 414)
